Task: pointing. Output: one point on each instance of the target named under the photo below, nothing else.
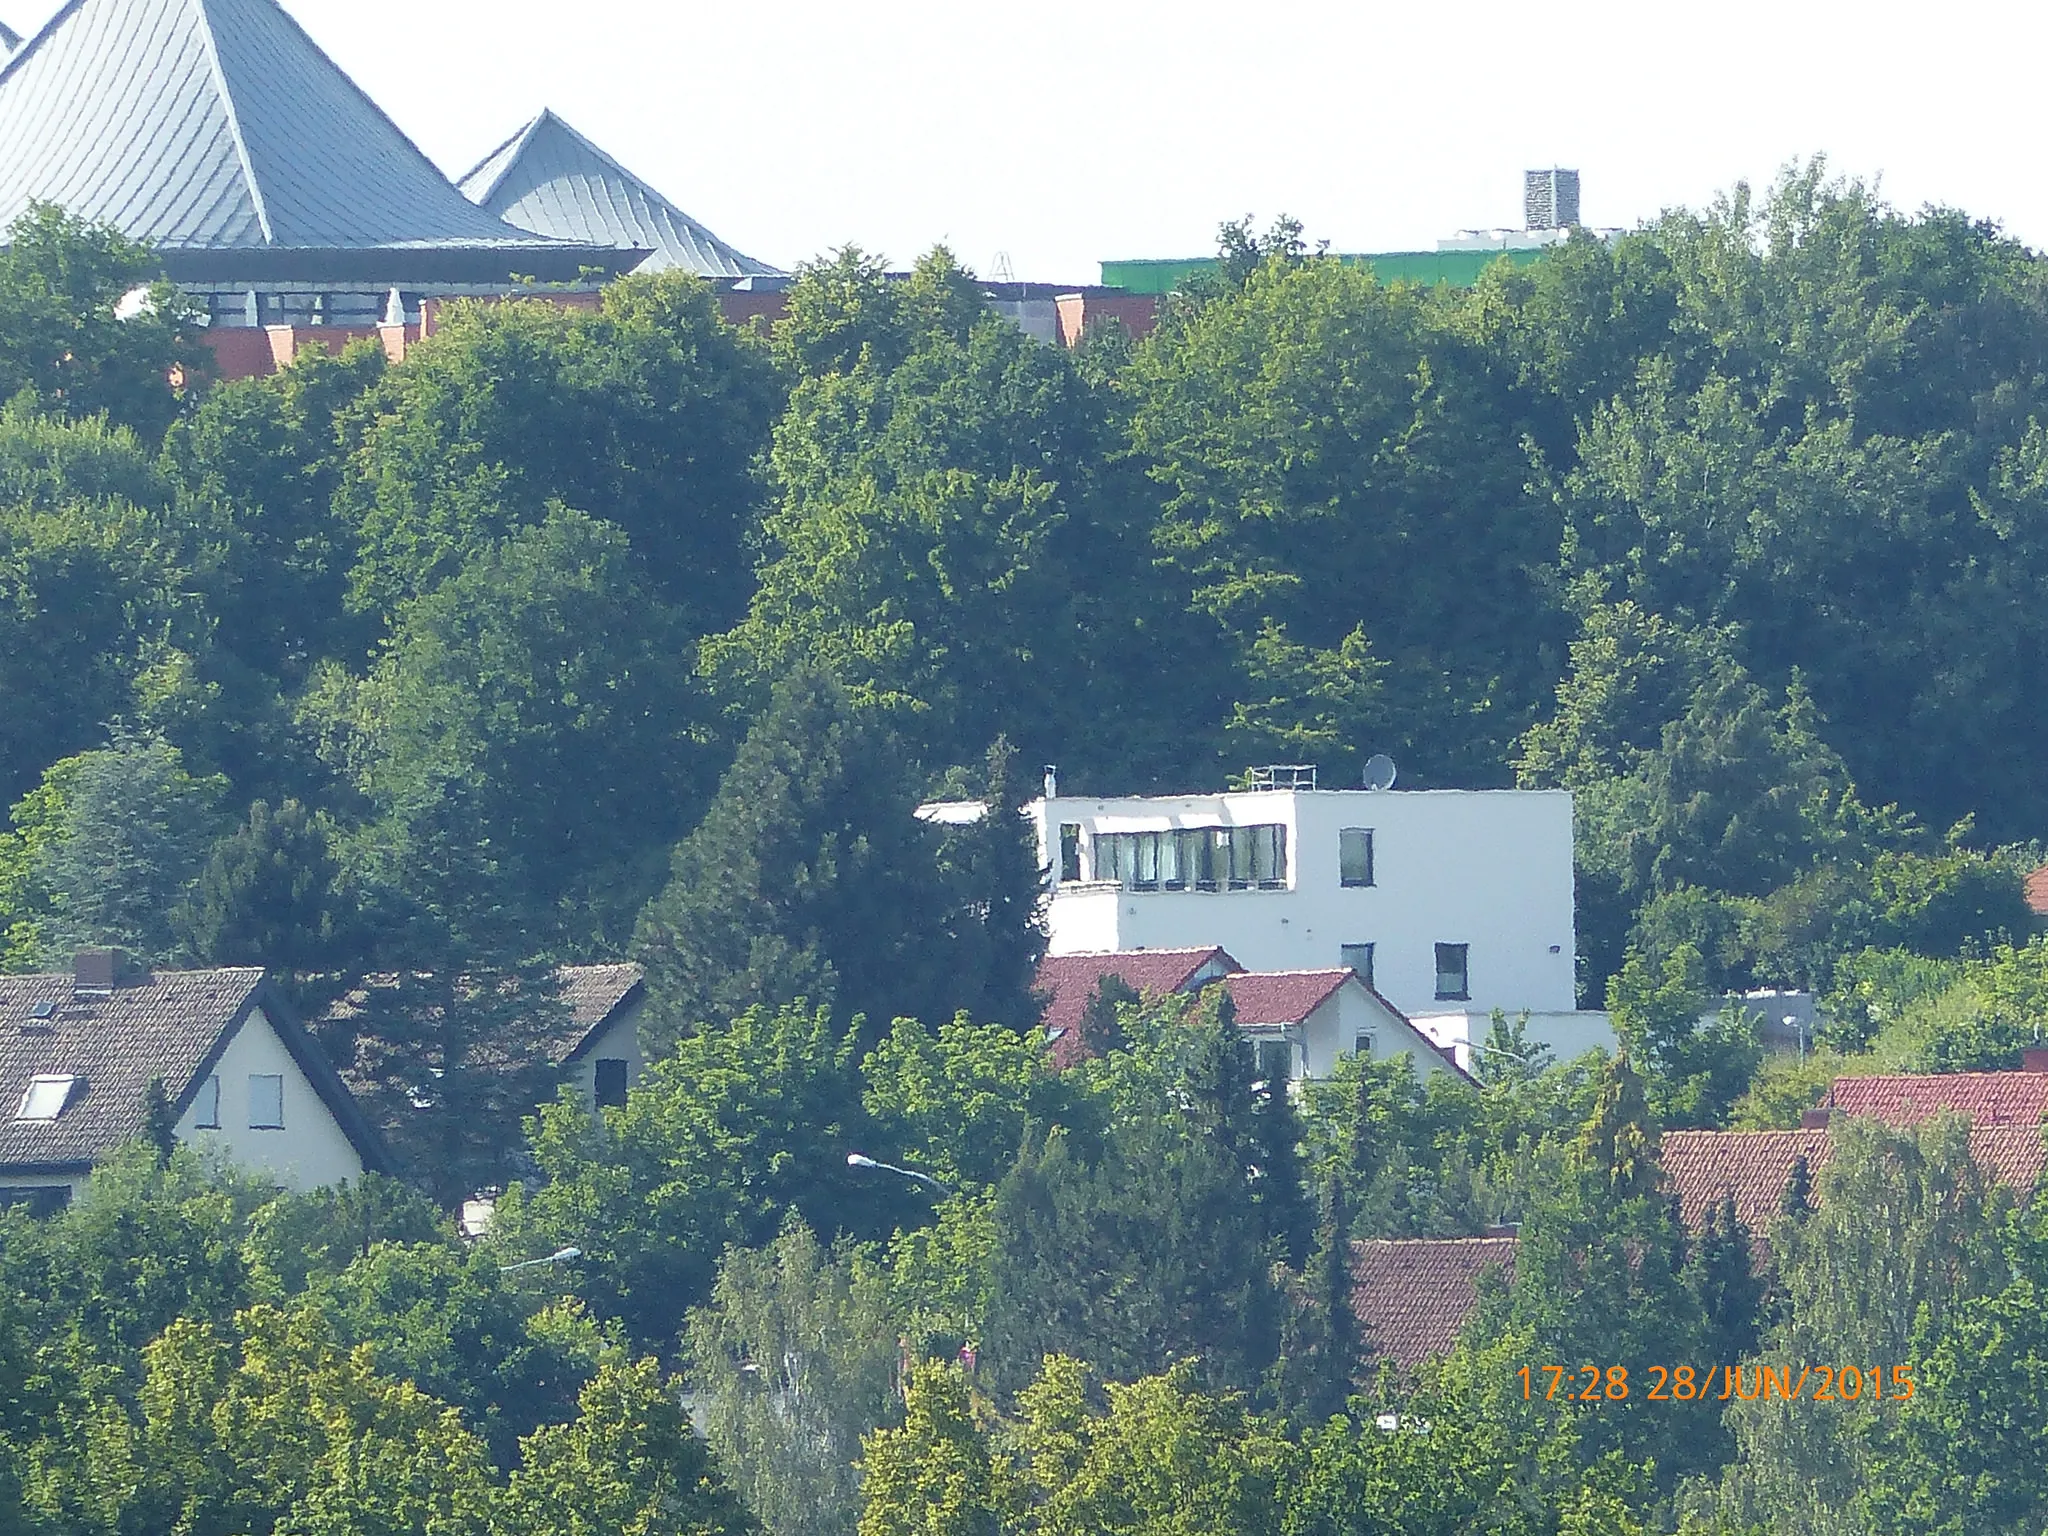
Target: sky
(1052, 136)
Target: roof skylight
(46, 1097)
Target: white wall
(310, 1150)
(620, 1041)
(1331, 1033)
(1487, 868)
(1564, 1034)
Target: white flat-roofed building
(1450, 903)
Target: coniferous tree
(1282, 1200)
(1320, 1347)
(270, 895)
(1101, 1029)
(997, 930)
(808, 878)
(1797, 1200)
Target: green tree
(1700, 1061)
(1904, 1233)
(647, 413)
(270, 895)
(1342, 468)
(543, 662)
(934, 1476)
(65, 336)
(795, 1358)
(628, 1461)
(119, 836)
(717, 1142)
(808, 877)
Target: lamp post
(860, 1160)
(559, 1256)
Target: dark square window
(611, 1083)
(1453, 971)
(1358, 959)
(1354, 856)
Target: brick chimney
(1815, 1119)
(96, 972)
(2034, 1059)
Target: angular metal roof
(550, 179)
(219, 125)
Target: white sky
(1064, 133)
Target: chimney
(1815, 1119)
(2034, 1059)
(1550, 199)
(1052, 781)
(96, 972)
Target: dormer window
(47, 1094)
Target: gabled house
(1324, 1016)
(1413, 1295)
(1320, 1016)
(1068, 983)
(80, 1050)
(1983, 1098)
(1754, 1167)
(601, 1057)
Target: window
(46, 1097)
(37, 1199)
(206, 1105)
(1364, 1043)
(1453, 971)
(1195, 858)
(266, 1101)
(611, 1083)
(1070, 851)
(1354, 857)
(1358, 959)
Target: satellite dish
(1379, 771)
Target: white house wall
(1491, 869)
(309, 1151)
(620, 1040)
(1564, 1035)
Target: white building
(80, 1050)
(1450, 903)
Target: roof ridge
(226, 95)
(509, 148)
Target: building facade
(1450, 903)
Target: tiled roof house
(1754, 1166)
(79, 1050)
(1068, 982)
(1984, 1098)
(1320, 1015)
(1413, 1295)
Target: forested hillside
(587, 635)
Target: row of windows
(1205, 858)
(1453, 968)
(1190, 859)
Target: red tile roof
(1414, 1294)
(1753, 1166)
(1985, 1098)
(2037, 890)
(1068, 981)
(1281, 997)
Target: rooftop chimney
(1550, 199)
(2034, 1059)
(1052, 781)
(96, 972)
(1815, 1119)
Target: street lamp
(860, 1160)
(559, 1256)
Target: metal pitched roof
(550, 179)
(208, 125)
(171, 1024)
